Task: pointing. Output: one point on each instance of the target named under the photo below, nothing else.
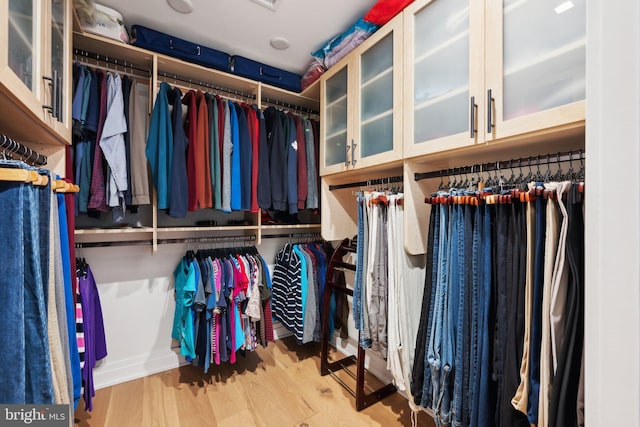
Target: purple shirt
(95, 341)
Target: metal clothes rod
(10, 147)
(290, 106)
(106, 59)
(377, 181)
(206, 85)
(291, 235)
(80, 245)
(504, 164)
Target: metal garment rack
(244, 239)
(292, 236)
(277, 103)
(11, 148)
(546, 159)
(168, 77)
(363, 399)
(112, 61)
(368, 183)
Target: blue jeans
(25, 365)
(427, 394)
(536, 321)
(458, 314)
(434, 350)
(475, 313)
(482, 412)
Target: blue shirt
(159, 149)
(236, 177)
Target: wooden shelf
(291, 226)
(215, 228)
(113, 49)
(95, 231)
(304, 99)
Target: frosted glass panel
(441, 119)
(57, 46)
(441, 70)
(434, 76)
(377, 136)
(335, 149)
(336, 86)
(22, 41)
(547, 70)
(335, 141)
(337, 116)
(377, 59)
(439, 22)
(377, 97)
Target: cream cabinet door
(378, 100)
(336, 119)
(443, 75)
(535, 64)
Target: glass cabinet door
(543, 55)
(376, 98)
(440, 68)
(335, 117)
(23, 49)
(58, 68)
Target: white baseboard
(111, 373)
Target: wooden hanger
(23, 175)
(60, 186)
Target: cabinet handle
(490, 102)
(59, 97)
(51, 107)
(472, 118)
(353, 153)
(346, 157)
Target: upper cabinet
(360, 103)
(535, 65)
(35, 69)
(478, 71)
(443, 75)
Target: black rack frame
(10, 147)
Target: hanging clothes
(39, 352)
(223, 299)
(299, 274)
(496, 289)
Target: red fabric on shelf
(384, 10)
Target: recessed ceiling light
(182, 6)
(269, 4)
(563, 7)
(279, 43)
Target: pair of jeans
(460, 312)
(435, 350)
(25, 364)
(482, 413)
(427, 391)
(357, 284)
(536, 313)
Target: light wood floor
(277, 386)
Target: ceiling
(242, 27)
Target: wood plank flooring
(277, 386)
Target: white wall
(612, 269)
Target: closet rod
(10, 147)
(546, 159)
(290, 106)
(207, 85)
(291, 235)
(377, 181)
(80, 245)
(115, 62)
